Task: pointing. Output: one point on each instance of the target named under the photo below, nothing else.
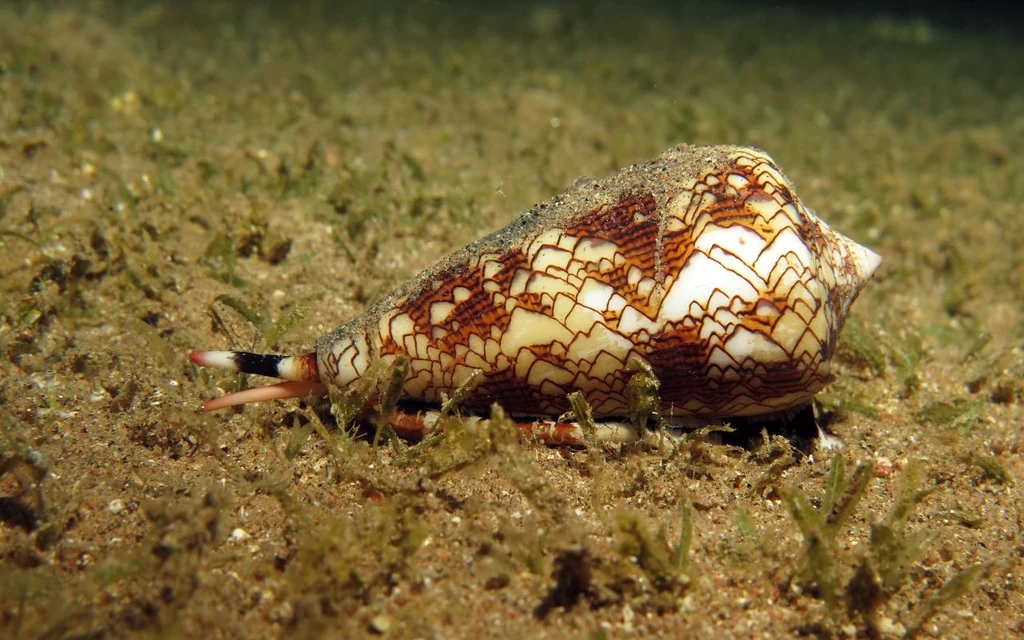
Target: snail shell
(702, 261)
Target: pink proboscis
(280, 391)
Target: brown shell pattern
(702, 261)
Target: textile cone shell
(703, 262)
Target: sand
(304, 160)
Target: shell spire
(852, 264)
(702, 262)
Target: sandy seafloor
(304, 159)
